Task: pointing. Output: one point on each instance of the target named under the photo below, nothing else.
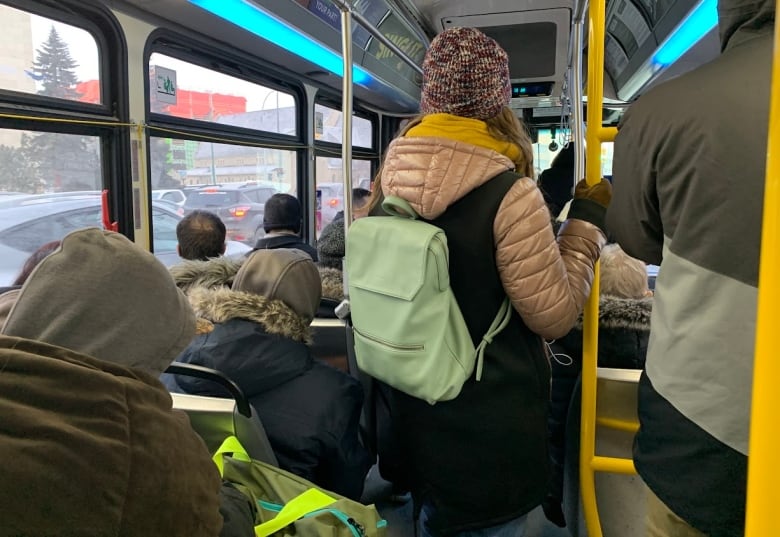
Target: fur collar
(627, 313)
(223, 304)
(216, 272)
(332, 283)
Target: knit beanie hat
(282, 211)
(282, 274)
(465, 73)
(330, 245)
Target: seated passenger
(201, 235)
(259, 339)
(330, 250)
(625, 305)
(90, 442)
(8, 294)
(282, 221)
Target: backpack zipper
(388, 344)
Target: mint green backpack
(409, 331)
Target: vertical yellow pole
(596, 16)
(763, 468)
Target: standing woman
(478, 463)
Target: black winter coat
(310, 411)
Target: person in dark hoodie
(260, 340)
(625, 306)
(689, 172)
(557, 181)
(282, 219)
(91, 443)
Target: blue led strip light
(251, 18)
(702, 19)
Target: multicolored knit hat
(465, 73)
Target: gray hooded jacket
(688, 188)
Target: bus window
(176, 163)
(207, 95)
(46, 57)
(330, 186)
(327, 127)
(47, 162)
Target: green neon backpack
(288, 505)
(409, 331)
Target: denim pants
(513, 528)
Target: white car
(31, 221)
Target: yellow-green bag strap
(233, 446)
(301, 505)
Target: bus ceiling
(647, 41)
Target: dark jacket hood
(741, 20)
(257, 342)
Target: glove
(600, 193)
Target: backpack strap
(399, 207)
(498, 324)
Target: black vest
(481, 459)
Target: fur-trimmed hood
(207, 285)
(223, 304)
(624, 332)
(626, 313)
(216, 272)
(332, 283)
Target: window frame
(109, 38)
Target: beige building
(16, 56)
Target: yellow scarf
(462, 129)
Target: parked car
(177, 197)
(240, 206)
(35, 221)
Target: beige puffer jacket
(548, 281)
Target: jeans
(513, 528)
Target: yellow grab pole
(596, 16)
(763, 469)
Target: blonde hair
(506, 126)
(622, 275)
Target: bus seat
(215, 418)
(330, 344)
(620, 498)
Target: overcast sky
(83, 50)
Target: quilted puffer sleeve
(547, 280)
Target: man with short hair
(201, 236)
(282, 223)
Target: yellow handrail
(595, 135)
(763, 470)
